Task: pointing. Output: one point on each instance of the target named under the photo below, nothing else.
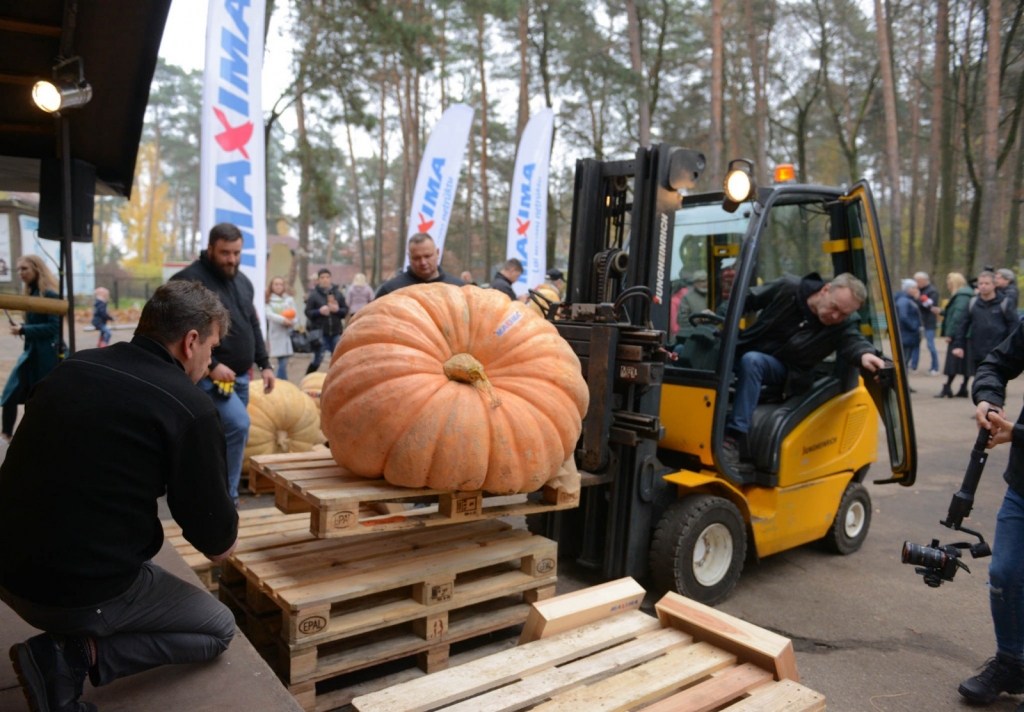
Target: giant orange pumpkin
(284, 420)
(453, 388)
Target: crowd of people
(976, 318)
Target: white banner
(439, 175)
(232, 172)
(528, 207)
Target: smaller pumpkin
(285, 420)
(312, 385)
(288, 313)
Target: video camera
(938, 563)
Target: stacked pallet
(387, 587)
(690, 659)
(257, 529)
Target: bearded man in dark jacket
(801, 322)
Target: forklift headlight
(739, 184)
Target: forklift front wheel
(850, 528)
(699, 548)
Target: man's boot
(946, 392)
(1001, 674)
(51, 670)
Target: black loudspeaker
(51, 199)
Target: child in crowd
(100, 316)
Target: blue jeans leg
(912, 352)
(282, 368)
(929, 338)
(753, 370)
(327, 346)
(1006, 576)
(235, 419)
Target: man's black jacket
(1004, 363)
(781, 301)
(409, 278)
(244, 343)
(106, 434)
(504, 285)
(331, 324)
(985, 325)
(929, 319)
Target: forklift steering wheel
(705, 318)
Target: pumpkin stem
(282, 440)
(466, 369)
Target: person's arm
(275, 318)
(853, 345)
(1003, 363)
(342, 304)
(260, 356)
(313, 306)
(760, 296)
(45, 330)
(960, 338)
(197, 492)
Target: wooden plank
(578, 608)
(39, 305)
(544, 685)
(747, 641)
(286, 457)
(645, 682)
(784, 696)
(481, 675)
(712, 694)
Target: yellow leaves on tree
(146, 217)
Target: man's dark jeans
(158, 621)
(1006, 576)
(753, 370)
(327, 346)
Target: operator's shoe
(1001, 674)
(51, 673)
(730, 451)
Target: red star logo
(522, 227)
(233, 138)
(425, 224)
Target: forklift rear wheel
(699, 548)
(850, 528)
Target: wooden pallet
(624, 662)
(343, 504)
(257, 529)
(347, 604)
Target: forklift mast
(615, 318)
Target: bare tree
(892, 143)
(988, 250)
(717, 95)
(636, 60)
(940, 80)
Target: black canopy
(118, 41)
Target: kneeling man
(103, 437)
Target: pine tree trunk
(378, 242)
(757, 58)
(891, 140)
(940, 84)
(442, 59)
(717, 88)
(1017, 194)
(305, 179)
(639, 82)
(485, 224)
(355, 188)
(915, 172)
(946, 233)
(988, 225)
(524, 69)
(467, 262)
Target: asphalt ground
(868, 633)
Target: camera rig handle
(963, 501)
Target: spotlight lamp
(739, 184)
(65, 91)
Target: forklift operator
(801, 322)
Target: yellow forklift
(658, 501)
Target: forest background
(923, 98)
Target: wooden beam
(22, 79)
(588, 605)
(29, 28)
(39, 305)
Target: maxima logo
(430, 197)
(523, 216)
(232, 111)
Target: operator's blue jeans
(929, 338)
(327, 344)
(1006, 576)
(235, 419)
(753, 370)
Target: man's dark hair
(513, 264)
(420, 237)
(323, 270)
(177, 308)
(224, 232)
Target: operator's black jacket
(784, 301)
(244, 343)
(106, 434)
(331, 324)
(409, 278)
(1004, 363)
(504, 285)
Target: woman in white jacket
(280, 319)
